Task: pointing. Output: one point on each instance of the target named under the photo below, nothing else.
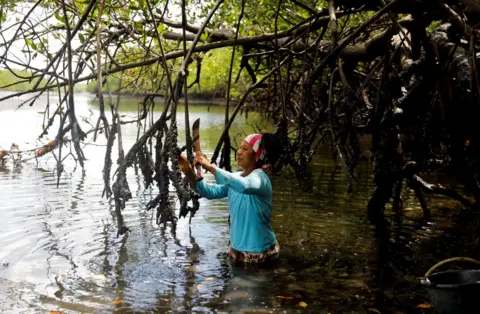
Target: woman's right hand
(201, 158)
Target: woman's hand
(186, 168)
(184, 165)
(201, 158)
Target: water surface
(59, 250)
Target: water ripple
(60, 251)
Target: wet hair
(273, 150)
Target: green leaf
(59, 17)
(161, 29)
(204, 36)
(81, 37)
(31, 44)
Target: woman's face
(245, 156)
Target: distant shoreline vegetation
(194, 93)
(18, 81)
(209, 87)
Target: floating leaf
(209, 279)
(55, 312)
(279, 215)
(302, 304)
(374, 310)
(285, 298)
(424, 306)
(117, 302)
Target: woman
(249, 193)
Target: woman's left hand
(187, 170)
(184, 165)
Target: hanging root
(107, 167)
(165, 212)
(145, 161)
(225, 159)
(121, 190)
(175, 175)
(182, 187)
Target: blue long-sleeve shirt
(250, 207)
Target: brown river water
(59, 250)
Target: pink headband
(254, 141)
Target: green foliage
(7, 79)
(213, 76)
(215, 71)
(433, 26)
(259, 18)
(80, 88)
(5, 6)
(113, 84)
(142, 42)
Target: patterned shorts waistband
(247, 257)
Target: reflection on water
(59, 249)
